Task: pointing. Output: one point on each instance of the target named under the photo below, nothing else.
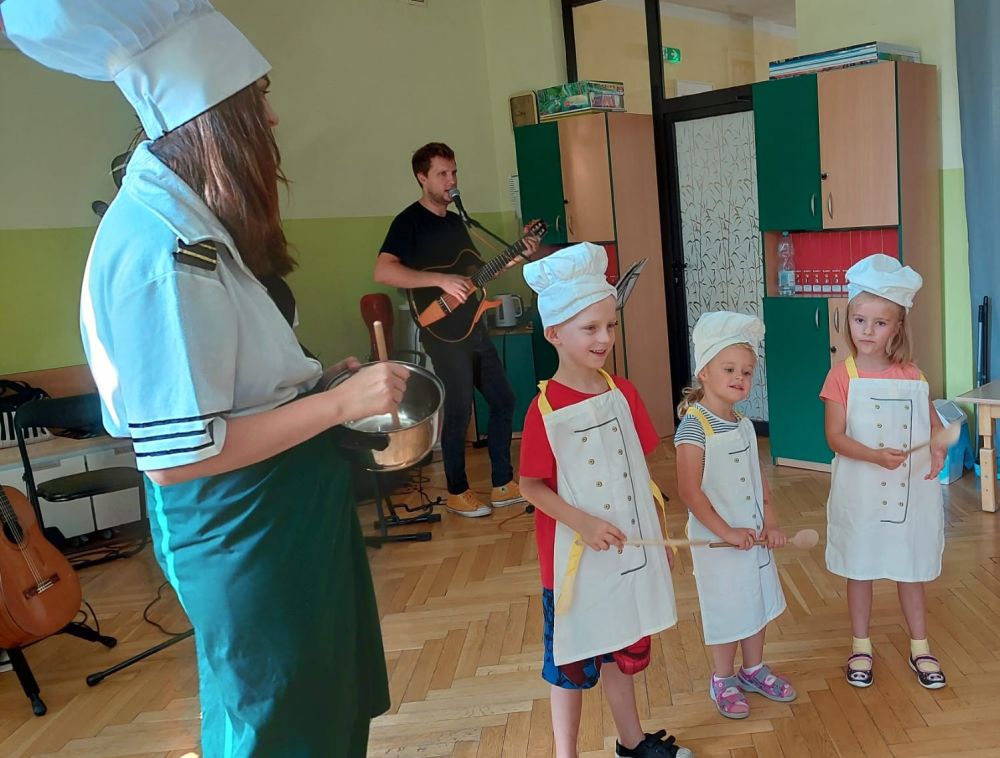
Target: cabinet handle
(836, 322)
(558, 219)
(812, 204)
(829, 204)
(569, 225)
(817, 317)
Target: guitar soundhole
(13, 534)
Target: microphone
(456, 197)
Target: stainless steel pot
(419, 422)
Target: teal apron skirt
(270, 565)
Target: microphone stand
(471, 222)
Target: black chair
(80, 414)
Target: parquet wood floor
(462, 627)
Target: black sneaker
(655, 746)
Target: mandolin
(443, 315)
(39, 591)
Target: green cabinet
(516, 354)
(786, 128)
(798, 360)
(540, 176)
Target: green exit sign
(672, 54)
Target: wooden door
(540, 177)
(586, 178)
(840, 347)
(786, 132)
(798, 350)
(857, 139)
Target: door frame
(675, 110)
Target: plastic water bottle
(786, 265)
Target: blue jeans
(473, 362)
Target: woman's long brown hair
(229, 157)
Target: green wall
(43, 271)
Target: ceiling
(778, 11)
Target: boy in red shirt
(583, 466)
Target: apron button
(625, 475)
(881, 444)
(633, 522)
(905, 426)
(877, 406)
(630, 498)
(591, 461)
(600, 484)
(748, 497)
(879, 426)
(614, 428)
(584, 439)
(743, 478)
(883, 484)
(900, 505)
(736, 460)
(621, 452)
(885, 502)
(607, 506)
(905, 446)
(902, 484)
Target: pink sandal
(728, 697)
(767, 683)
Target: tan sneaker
(467, 504)
(509, 494)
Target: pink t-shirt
(835, 386)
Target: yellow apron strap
(607, 378)
(702, 419)
(543, 402)
(658, 497)
(852, 368)
(923, 378)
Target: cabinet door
(516, 355)
(586, 178)
(840, 347)
(857, 137)
(786, 129)
(540, 177)
(798, 351)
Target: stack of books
(855, 55)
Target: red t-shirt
(538, 462)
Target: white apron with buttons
(738, 590)
(605, 601)
(885, 524)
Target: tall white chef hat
(884, 276)
(172, 59)
(569, 280)
(716, 331)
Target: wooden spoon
(946, 436)
(803, 539)
(383, 355)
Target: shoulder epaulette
(204, 255)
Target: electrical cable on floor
(154, 601)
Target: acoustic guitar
(39, 591)
(443, 315)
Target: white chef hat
(716, 331)
(172, 59)
(884, 276)
(569, 280)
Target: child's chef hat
(884, 276)
(569, 280)
(716, 331)
(172, 59)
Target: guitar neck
(495, 266)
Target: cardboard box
(579, 97)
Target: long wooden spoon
(946, 436)
(803, 539)
(383, 355)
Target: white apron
(605, 601)
(885, 524)
(738, 590)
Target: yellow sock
(863, 645)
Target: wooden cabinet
(857, 139)
(827, 149)
(840, 346)
(879, 152)
(798, 360)
(605, 192)
(786, 125)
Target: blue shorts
(579, 675)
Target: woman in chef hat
(720, 481)
(885, 511)
(583, 465)
(250, 502)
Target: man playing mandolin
(422, 249)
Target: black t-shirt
(422, 239)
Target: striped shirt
(690, 432)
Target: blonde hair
(689, 396)
(900, 347)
